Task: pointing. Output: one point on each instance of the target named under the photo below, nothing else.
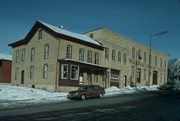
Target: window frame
(62, 71)
(40, 34)
(89, 56)
(81, 54)
(96, 58)
(77, 78)
(23, 54)
(106, 53)
(124, 58)
(17, 56)
(31, 72)
(113, 55)
(32, 53)
(69, 52)
(45, 71)
(119, 56)
(46, 51)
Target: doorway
(155, 74)
(22, 77)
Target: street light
(150, 49)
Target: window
(89, 56)
(45, 71)
(132, 71)
(164, 77)
(74, 72)
(165, 64)
(96, 61)
(81, 54)
(17, 56)
(161, 62)
(119, 57)
(144, 74)
(114, 77)
(0, 63)
(31, 72)
(91, 35)
(23, 55)
(107, 53)
(46, 51)
(156, 60)
(139, 54)
(145, 56)
(113, 55)
(16, 73)
(95, 76)
(69, 52)
(32, 54)
(40, 34)
(133, 53)
(124, 58)
(160, 77)
(64, 71)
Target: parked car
(86, 91)
(170, 86)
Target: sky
(135, 19)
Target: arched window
(31, 72)
(46, 51)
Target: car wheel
(100, 95)
(83, 97)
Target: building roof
(5, 57)
(59, 32)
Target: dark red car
(86, 91)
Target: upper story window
(46, 51)
(124, 58)
(145, 56)
(107, 53)
(31, 72)
(133, 52)
(45, 71)
(161, 62)
(139, 54)
(69, 52)
(81, 54)
(113, 55)
(96, 59)
(23, 55)
(17, 56)
(64, 71)
(91, 35)
(164, 63)
(32, 54)
(156, 60)
(40, 34)
(119, 57)
(89, 56)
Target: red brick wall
(5, 71)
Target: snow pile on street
(128, 90)
(14, 93)
(16, 96)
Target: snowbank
(16, 96)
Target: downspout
(56, 83)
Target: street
(147, 106)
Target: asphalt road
(151, 106)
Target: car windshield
(83, 88)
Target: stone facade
(42, 61)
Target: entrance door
(155, 77)
(125, 80)
(22, 77)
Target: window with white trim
(45, 71)
(31, 72)
(17, 56)
(23, 55)
(69, 52)
(89, 56)
(32, 54)
(16, 73)
(46, 51)
(81, 54)
(64, 71)
(74, 72)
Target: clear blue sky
(135, 19)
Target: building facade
(54, 59)
(5, 68)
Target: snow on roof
(5, 57)
(71, 34)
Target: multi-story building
(55, 59)
(5, 68)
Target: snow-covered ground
(16, 96)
